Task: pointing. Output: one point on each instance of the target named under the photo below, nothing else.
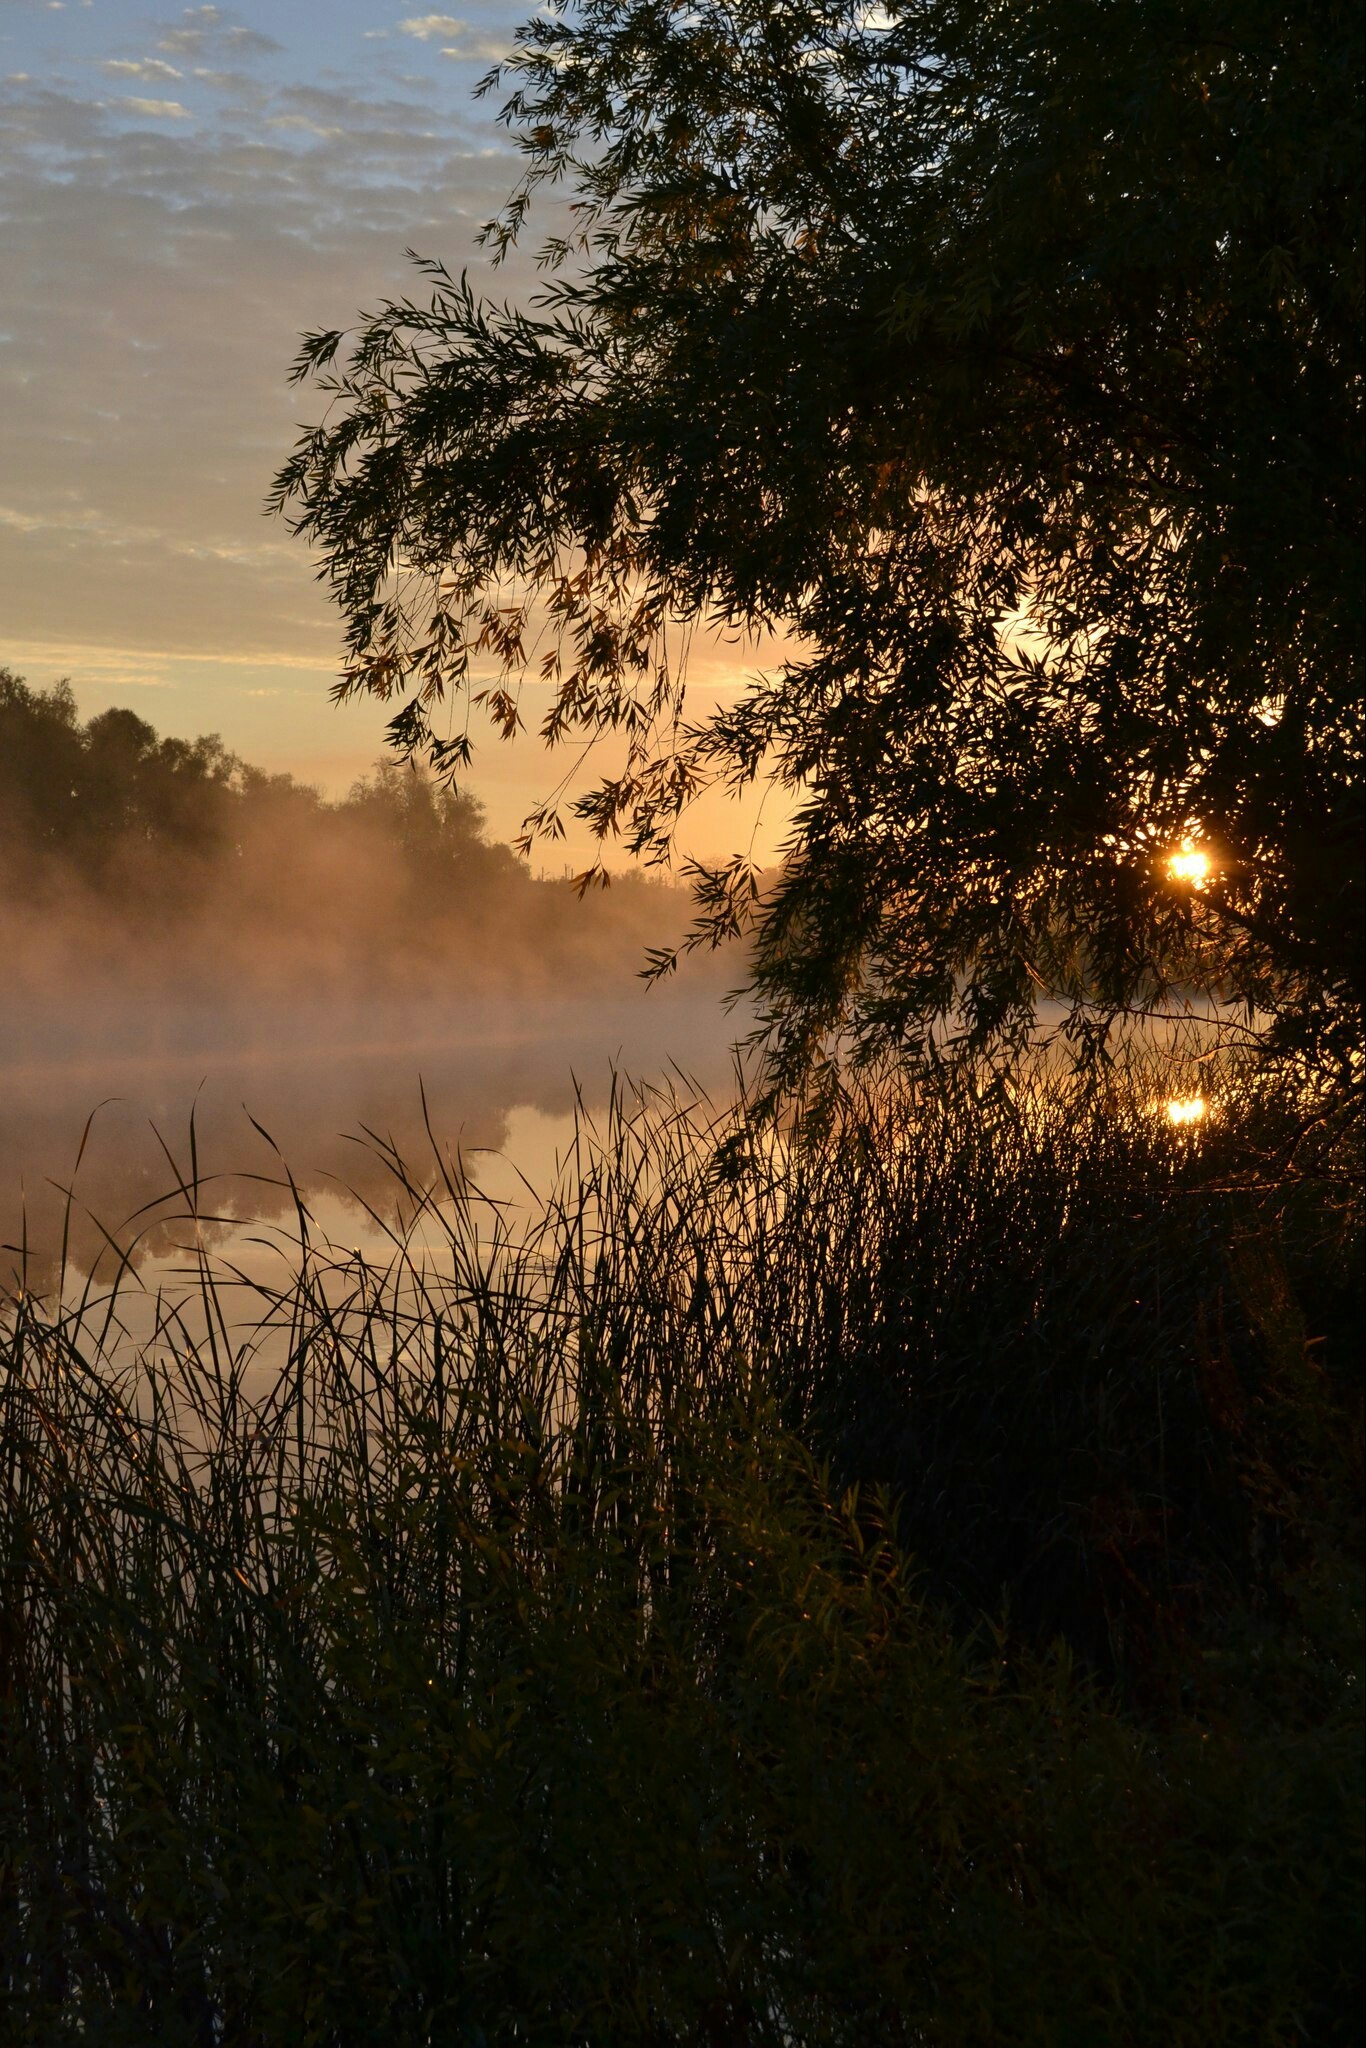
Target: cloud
(465, 42)
(302, 124)
(484, 49)
(157, 110)
(428, 28)
(239, 83)
(202, 29)
(144, 67)
(159, 272)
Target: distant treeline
(112, 835)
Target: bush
(514, 1645)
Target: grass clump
(808, 1593)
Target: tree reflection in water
(117, 1104)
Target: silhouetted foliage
(475, 1648)
(1010, 358)
(74, 793)
(134, 845)
(82, 794)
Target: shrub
(512, 1643)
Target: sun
(1186, 1109)
(1189, 864)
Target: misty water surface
(211, 973)
(169, 1091)
(214, 975)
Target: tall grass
(895, 1585)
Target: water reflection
(218, 1096)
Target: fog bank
(181, 932)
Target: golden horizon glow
(1186, 1109)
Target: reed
(885, 1582)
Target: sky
(182, 194)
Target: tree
(439, 830)
(82, 794)
(1009, 357)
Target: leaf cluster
(1008, 361)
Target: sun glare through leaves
(1189, 864)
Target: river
(110, 1110)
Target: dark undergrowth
(901, 1587)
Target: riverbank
(898, 1586)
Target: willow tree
(1005, 357)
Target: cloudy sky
(181, 195)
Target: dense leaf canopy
(1006, 357)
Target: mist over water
(316, 1083)
(192, 950)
